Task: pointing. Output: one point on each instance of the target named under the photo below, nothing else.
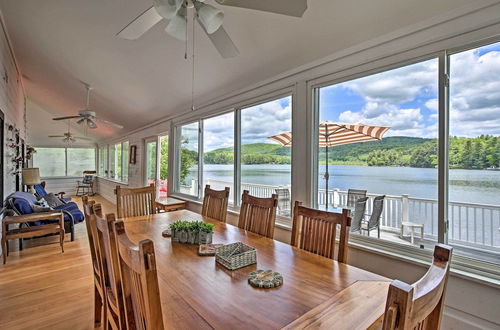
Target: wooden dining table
(198, 293)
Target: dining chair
(419, 305)
(358, 214)
(374, 220)
(215, 203)
(353, 195)
(110, 270)
(133, 202)
(316, 231)
(257, 214)
(100, 313)
(141, 294)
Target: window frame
(236, 110)
(464, 266)
(124, 176)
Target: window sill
(112, 180)
(468, 269)
(60, 177)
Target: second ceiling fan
(209, 17)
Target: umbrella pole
(327, 177)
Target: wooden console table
(33, 231)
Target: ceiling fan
(88, 117)
(208, 16)
(68, 137)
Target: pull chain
(193, 67)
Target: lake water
(472, 186)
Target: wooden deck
(42, 288)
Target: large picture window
(60, 162)
(265, 163)
(378, 139)
(218, 153)
(474, 157)
(188, 176)
(113, 161)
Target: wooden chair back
(140, 290)
(133, 202)
(110, 268)
(90, 208)
(258, 215)
(316, 231)
(215, 203)
(420, 305)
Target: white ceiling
(59, 43)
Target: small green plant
(206, 227)
(195, 227)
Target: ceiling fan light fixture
(79, 122)
(167, 8)
(177, 27)
(210, 17)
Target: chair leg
(61, 239)
(4, 249)
(99, 312)
(378, 231)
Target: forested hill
(479, 152)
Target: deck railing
(470, 224)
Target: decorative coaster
(166, 233)
(265, 279)
(208, 249)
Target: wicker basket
(236, 255)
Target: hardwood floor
(42, 288)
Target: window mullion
(237, 158)
(200, 158)
(443, 147)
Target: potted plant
(174, 230)
(206, 233)
(194, 230)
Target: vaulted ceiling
(61, 43)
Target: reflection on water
(472, 186)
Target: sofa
(24, 203)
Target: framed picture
(132, 154)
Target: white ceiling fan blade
(108, 123)
(177, 26)
(294, 8)
(65, 118)
(222, 42)
(90, 123)
(167, 8)
(56, 136)
(140, 25)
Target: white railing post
(405, 209)
(336, 197)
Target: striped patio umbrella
(334, 134)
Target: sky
(406, 99)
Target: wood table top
(170, 201)
(198, 293)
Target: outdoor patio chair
(358, 214)
(283, 201)
(353, 195)
(374, 221)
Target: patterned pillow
(53, 200)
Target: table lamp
(31, 177)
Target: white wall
(12, 104)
